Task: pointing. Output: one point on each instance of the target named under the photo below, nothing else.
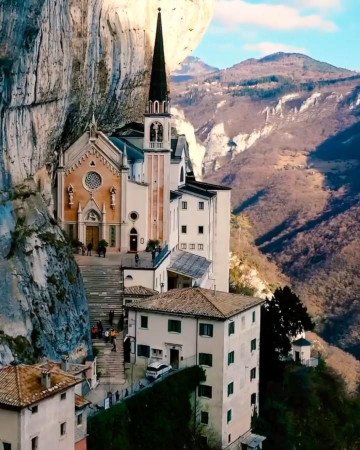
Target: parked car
(157, 369)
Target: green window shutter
(174, 326)
(143, 350)
(206, 329)
(205, 359)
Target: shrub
(156, 418)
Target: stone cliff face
(60, 62)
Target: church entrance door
(92, 235)
(133, 240)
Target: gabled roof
(133, 153)
(302, 342)
(174, 195)
(207, 186)
(197, 302)
(21, 386)
(193, 190)
(133, 129)
(139, 291)
(81, 402)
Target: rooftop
(21, 386)
(208, 186)
(302, 342)
(197, 302)
(81, 402)
(198, 192)
(188, 264)
(139, 291)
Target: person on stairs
(94, 331)
(114, 344)
(89, 248)
(100, 329)
(111, 316)
(112, 335)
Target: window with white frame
(253, 345)
(231, 329)
(183, 229)
(205, 359)
(253, 373)
(200, 246)
(206, 329)
(201, 205)
(183, 246)
(144, 321)
(229, 416)
(231, 358)
(192, 246)
(63, 429)
(184, 205)
(201, 229)
(205, 391)
(253, 399)
(156, 353)
(204, 417)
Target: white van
(156, 369)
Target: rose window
(93, 180)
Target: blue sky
(328, 30)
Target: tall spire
(158, 83)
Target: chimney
(65, 363)
(46, 378)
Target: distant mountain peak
(192, 67)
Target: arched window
(182, 175)
(156, 107)
(156, 132)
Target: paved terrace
(124, 259)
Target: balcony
(146, 259)
(157, 145)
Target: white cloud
(320, 4)
(267, 48)
(274, 16)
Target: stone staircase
(102, 285)
(110, 364)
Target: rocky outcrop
(61, 61)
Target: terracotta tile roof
(81, 402)
(139, 290)
(197, 302)
(21, 386)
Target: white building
(216, 330)
(136, 186)
(40, 410)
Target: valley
(283, 132)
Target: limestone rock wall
(60, 62)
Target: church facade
(136, 190)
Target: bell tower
(157, 143)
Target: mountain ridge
(285, 138)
